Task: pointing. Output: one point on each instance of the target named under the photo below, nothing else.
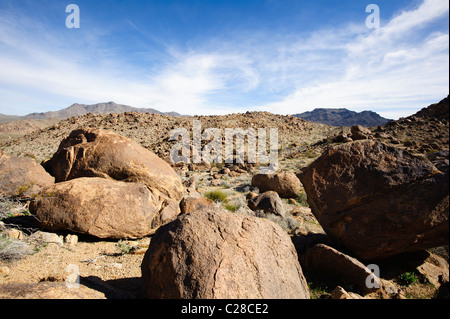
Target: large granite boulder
(98, 153)
(103, 208)
(378, 201)
(211, 254)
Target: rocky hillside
(438, 111)
(15, 129)
(343, 117)
(153, 131)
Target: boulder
(191, 203)
(286, 184)
(22, 176)
(269, 202)
(98, 153)
(103, 208)
(326, 261)
(47, 238)
(378, 201)
(360, 132)
(214, 254)
(47, 290)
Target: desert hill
(343, 117)
(153, 130)
(437, 110)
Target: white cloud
(390, 70)
(385, 70)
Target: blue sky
(218, 57)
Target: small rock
(301, 211)
(435, 269)
(269, 202)
(48, 238)
(340, 293)
(360, 132)
(14, 233)
(47, 290)
(190, 204)
(382, 135)
(216, 182)
(71, 240)
(233, 174)
(22, 176)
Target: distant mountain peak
(343, 117)
(78, 109)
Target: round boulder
(103, 208)
(22, 176)
(286, 184)
(212, 254)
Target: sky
(199, 57)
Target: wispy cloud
(393, 70)
(388, 69)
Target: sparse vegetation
(217, 196)
(288, 223)
(125, 247)
(21, 190)
(232, 207)
(9, 207)
(13, 249)
(408, 278)
(302, 199)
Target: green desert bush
(408, 278)
(217, 196)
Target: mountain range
(82, 109)
(333, 117)
(343, 117)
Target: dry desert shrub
(13, 249)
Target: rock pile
(107, 186)
(98, 153)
